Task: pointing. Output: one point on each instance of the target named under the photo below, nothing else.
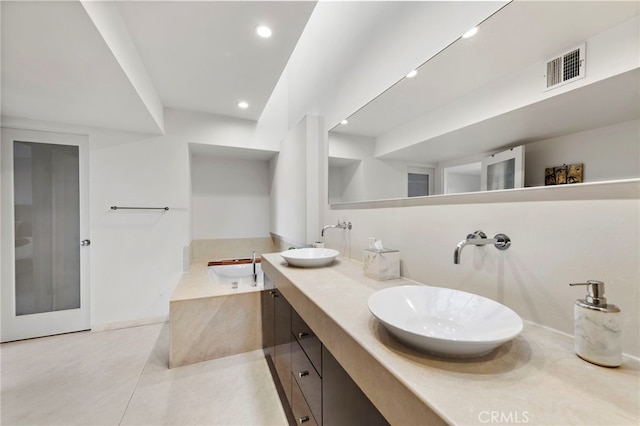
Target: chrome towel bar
(139, 208)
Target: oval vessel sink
(310, 257)
(444, 321)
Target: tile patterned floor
(121, 377)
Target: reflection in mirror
(568, 94)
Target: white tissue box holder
(382, 264)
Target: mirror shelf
(625, 189)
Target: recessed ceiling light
(343, 122)
(263, 31)
(243, 105)
(412, 73)
(470, 33)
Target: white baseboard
(96, 328)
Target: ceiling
(62, 64)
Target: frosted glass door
(47, 242)
(46, 285)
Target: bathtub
(213, 318)
(236, 276)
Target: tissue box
(382, 264)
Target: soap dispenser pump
(597, 327)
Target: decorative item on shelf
(561, 174)
(565, 174)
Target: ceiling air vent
(565, 67)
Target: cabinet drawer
(301, 411)
(308, 340)
(307, 379)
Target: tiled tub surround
(210, 319)
(536, 378)
(227, 248)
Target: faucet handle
(503, 242)
(477, 234)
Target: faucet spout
(479, 238)
(458, 251)
(324, 228)
(254, 276)
(340, 225)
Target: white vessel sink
(444, 321)
(310, 257)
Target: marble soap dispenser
(597, 327)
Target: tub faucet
(254, 277)
(340, 225)
(479, 238)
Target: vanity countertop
(536, 378)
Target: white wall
(298, 183)
(289, 187)
(458, 183)
(137, 256)
(608, 153)
(370, 178)
(230, 197)
(553, 243)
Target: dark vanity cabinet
(268, 318)
(306, 368)
(318, 390)
(344, 403)
(276, 335)
(282, 337)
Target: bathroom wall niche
(230, 192)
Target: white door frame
(47, 323)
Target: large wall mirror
(543, 93)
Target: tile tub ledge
(536, 378)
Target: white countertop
(535, 379)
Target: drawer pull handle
(303, 373)
(272, 292)
(302, 335)
(303, 419)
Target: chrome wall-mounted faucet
(340, 225)
(479, 238)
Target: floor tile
(73, 379)
(235, 390)
(122, 377)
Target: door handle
(85, 243)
